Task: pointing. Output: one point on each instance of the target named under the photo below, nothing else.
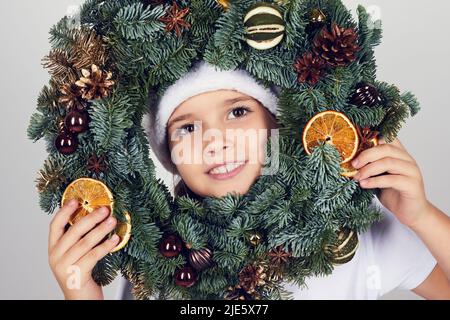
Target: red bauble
(76, 121)
(170, 246)
(185, 277)
(66, 143)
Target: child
(392, 253)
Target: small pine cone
(71, 97)
(237, 293)
(96, 84)
(337, 47)
(310, 68)
(251, 277)
(365, 95)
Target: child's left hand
(390, 168)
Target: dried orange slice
(347, 169)
(123, 230)
(91, 195)
(335, 128)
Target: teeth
(226, 168)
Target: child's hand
(74, 253)
(390, 168)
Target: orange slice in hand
(123, 230)
(91, 195)
(334, 128)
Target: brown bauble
(77, 121)
(66, 143)
(185, 277)
(170, 246)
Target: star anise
(278, 256)
(174, 19)
(366, 137)
(97, 164)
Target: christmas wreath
(112, 57)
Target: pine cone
(310, 68)
(252, 276)
(95, 84)
(237, 293)
(338, 47)
(71, 97)
(365, 95)
(50, 177)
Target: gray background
(414, 54)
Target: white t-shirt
(389, 256)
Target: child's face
(218, 141)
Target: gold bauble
(224, 3)
(317, 17)
(255, 238)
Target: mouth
(226, 170)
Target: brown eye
(239, 112)
(189, 127)
(186, 129)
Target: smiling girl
(196, 133)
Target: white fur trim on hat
(202, 78)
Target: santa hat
(201, 78)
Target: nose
(217, 146)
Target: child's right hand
(74, 253)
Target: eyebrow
(234, 100)
(179, 118)
(225, 103)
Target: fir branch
(109, 119)
(394, 120)
(186, 205)
(334, 197)
(295, 25)
(411, 101)
(87, 49)
(324, 165)
(47, 101)
(190, 230)
(366, 117)
(136, 22)
(169, 60)
(106, 269)
(232, 257)
(38, 126)
(272, 66)
(60, 67)
(225, 48)
(145, 238)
